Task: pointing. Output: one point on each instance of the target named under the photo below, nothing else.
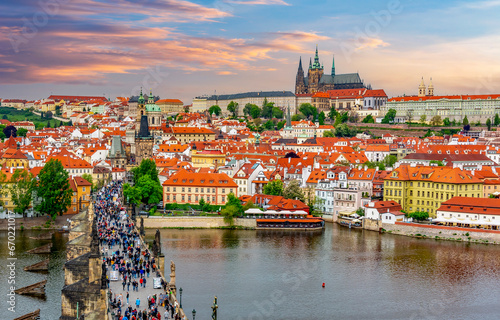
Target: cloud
(371, 43)
(481, 4)
(260, 2)
(226, 73)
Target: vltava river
(279, 275)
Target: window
(182, 189)
(189, 189)
(196, 190)
(201, 190)
(223, 191)
(213, 198)
(168, 189)
(223, 199)
(83, 189)
(175, 189)
(213, 190)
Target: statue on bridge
(172, 273)
(157, 244)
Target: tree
(281, 125)
(248, 108)
(488, 124)
(423, 119)
(229, 213)
(22, 132)
(255, 111)
(333, 113)
(353, 117)
(21, 190)
(496, 121)
(146, 167)
(233, 201)
(273, 188)
(10, 131)
(321, 118)
(344, 117)
(446, 122)
(54, 189)
(328, 134)
(344, 131)
(368, 119)
(308, 110)
(298, 117)
(389, 116)
(409, 115)
(436, 121)
(269, 125)
(186, 109)
(151, 191)
(204, 206)
(418, 215)
(214, 109)
(132, 194)
(293, 191)
(267, 109)
(233, 108)
(390, 160)
(465, 121)
(277, 113)
(249, 205)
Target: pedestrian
(127, 297)
(141, 282)
(144, 283)
(123, 284)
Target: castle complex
(318, 81)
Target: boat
(350, 220)
(289, 220)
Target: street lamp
(180, 291)
(194, 314)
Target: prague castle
(317, 81)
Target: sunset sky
(182, 49)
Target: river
(50, 308)
(279, 275)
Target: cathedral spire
(141, 98)
(310, 63)
(300, 64)
(333, 66)
(316, 64)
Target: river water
(279, 275)
(50, 308)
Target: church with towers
(421, 89)
(318, 81)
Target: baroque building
(318, 81)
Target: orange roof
(185, 178)
(455, 97)
(173, 101)
(484, 206)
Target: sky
(183, 49)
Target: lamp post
(194, 314)
(180, 291)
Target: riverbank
(37, 223)
(187, 222)
(443, 232)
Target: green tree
(418, 215)
(496, 121)
(54, 189)
(132, 194)
(488, 124)
(273, 188)
(277, 113)
(229, 213)
(390, 160)
(248, 108)
(151, 191)
(298, 117)
(465, 121)
(267, 109)
(328, 134)
(446, 122)
(281, 124)
(255, 111)
(321, 118)
(249, 205)
(294, 191)
(21, 190)
(344, 117)
(21, 132)
(423, 119)
(232, 200)
(436, 121)
(308, 110)
(214, 109)
(269, 125)
(146, 167)
(368, 119)
(233, 108)
(344, 131)
(333, 113)
(389, 116)
(204, 206)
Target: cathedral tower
(300, 86)
(421, 88)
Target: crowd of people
(126, 257)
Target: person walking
(127, 297)
(138, 303)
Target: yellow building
(170, 105)
(207, 158)
(191, 134)
(424, 188)
(14, 158)
(191, 187)
(48, 105)
(81, 195)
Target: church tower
(300, 86)
(430, 89)
(153, 112)
(421, 88)
(314, 74)
(141, 111)
(333, 67)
